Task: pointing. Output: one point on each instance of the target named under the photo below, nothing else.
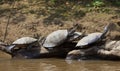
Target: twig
(8, 22)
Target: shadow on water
(56, 65)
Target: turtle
(58, 37)
(25, 47)
(92, 38)
(21, 53)
(23, 42)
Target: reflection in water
(56, 65)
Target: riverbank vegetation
(40, 17)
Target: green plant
(53, 1)
(98, 3)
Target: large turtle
(92, 38)
(58, 37)
(18, 48)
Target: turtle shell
(91, 38)
(55, 38)
(25, 40)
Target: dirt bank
(91, 22)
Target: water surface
(53, 64)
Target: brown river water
(54, 64)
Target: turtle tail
(72, 29)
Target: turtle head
(72, 29)
(77, 36)
(6, 48)
(37, 36)
(108, 27)
(41, 40)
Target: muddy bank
(92, 22)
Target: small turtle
(21, 53)
(24, 42)
(58, 37)
(25, 46)
(92, 38)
